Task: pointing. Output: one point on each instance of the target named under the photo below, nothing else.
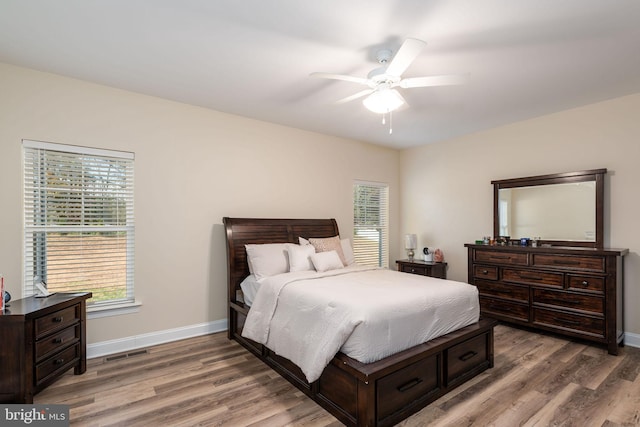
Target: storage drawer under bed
(414, 382)
(466, 357)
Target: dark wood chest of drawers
(42, 338)
(571, 291)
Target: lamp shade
(410, 241)
(383, 101)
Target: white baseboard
(632, 340)
(154, 338)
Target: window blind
(79, 221)
(370, 223)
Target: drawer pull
(58, 361)
(485, 272)
(57, 319)
(57, 340)
(409, 385)
(413, 270)
(565, 262)
(585, 283)
(468, 355)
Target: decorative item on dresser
(568, 282)
(425, 268)
(41, 338)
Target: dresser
(41, 338)
(572, 291)
(424, 268)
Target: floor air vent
(125, 355)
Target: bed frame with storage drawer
(375, 394)
(572, 291)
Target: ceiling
(523, 58)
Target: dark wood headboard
(242, 231)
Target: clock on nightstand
(424, 268)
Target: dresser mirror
(564, 209)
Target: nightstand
(42, 338)
(425, 268)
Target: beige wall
(447, 194)
(193, 166)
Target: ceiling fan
(382, 82)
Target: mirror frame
(596, 175)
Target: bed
(378, 393)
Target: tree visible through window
(370, 224)
(79, 224)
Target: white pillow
(347, 250)
(299, 257)
(328, 244)
(268, 259)
(325, 261)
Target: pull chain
(384, 121)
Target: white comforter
(367, 313)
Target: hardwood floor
(537, 380)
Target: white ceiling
(524, 58)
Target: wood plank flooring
(538, 380)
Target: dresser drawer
(485, 272)
(61, 361)
(586, 283)
(533, 277)
(573, 262)
(407, 385)
(498, 289)
(502, 309)
(57, 320)
(465, 357)
(501, 257)
(590, 303)
(58, 340)
(569, 321)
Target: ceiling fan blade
(355, 96)
(346, 78)
(444, 80)
(405, 56)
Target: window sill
(113, 310)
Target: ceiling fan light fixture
(383, 101)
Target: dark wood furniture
(572, 286)
(41, 338)
(375, 394)
(572, 291)
(540, 182)
(424, 268)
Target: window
(370, 223)
(78, 221)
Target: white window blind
(78, 221)
(370, 223)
